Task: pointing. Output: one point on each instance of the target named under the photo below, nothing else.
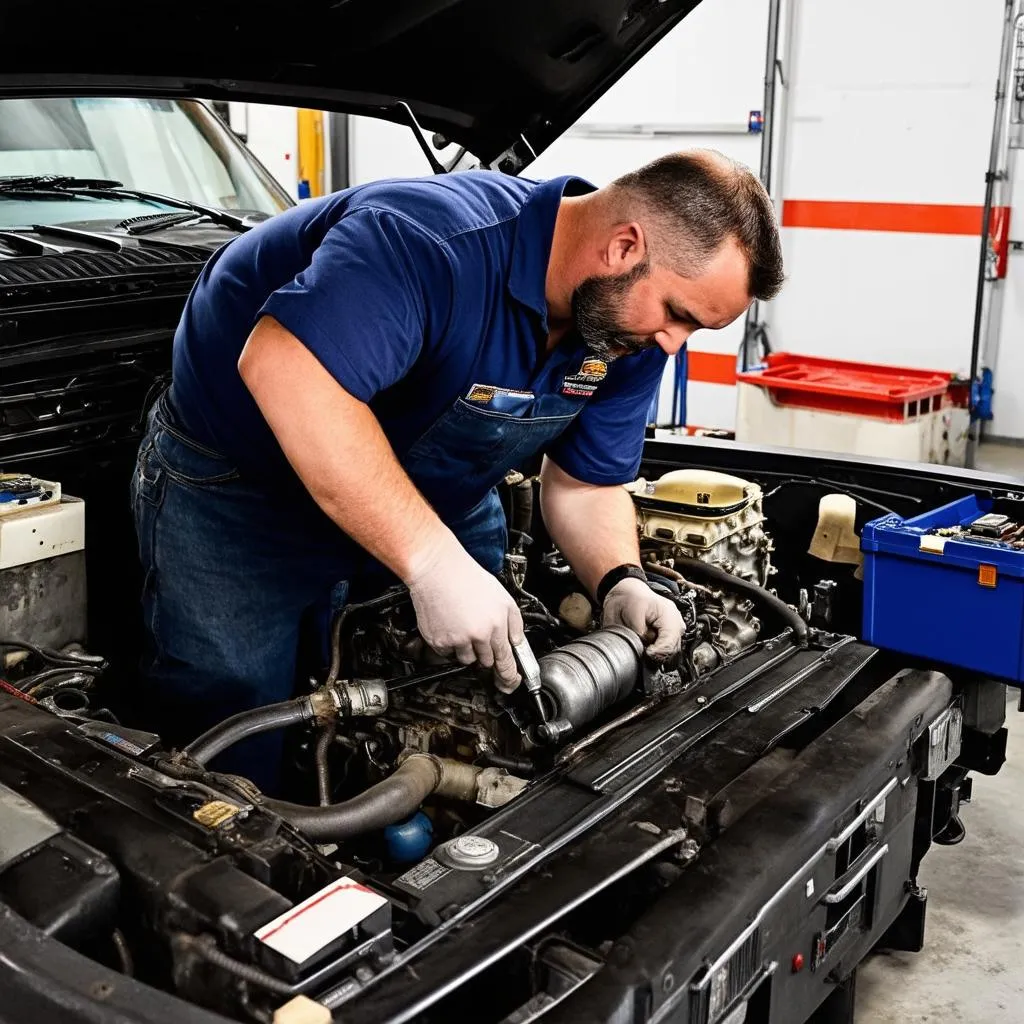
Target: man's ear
(626, 248)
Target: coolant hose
(725, 580)
(248, 723)
(392, 799)
(521, 507)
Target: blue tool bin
(956, 601)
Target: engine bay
(402, 764)
(416, 790)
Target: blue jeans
(232, 570)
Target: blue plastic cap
(410, 840)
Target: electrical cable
(205, 946)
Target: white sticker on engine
(424, 874)
(931, 543)
(305, 929)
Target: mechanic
(353, 377)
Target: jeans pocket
(189, 463)
(149, 481)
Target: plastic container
(895, 393)
(858, 408)
(959, 601)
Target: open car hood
(501, 79)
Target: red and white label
(305, 929)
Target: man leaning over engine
(352, 378)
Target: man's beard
(596, 303)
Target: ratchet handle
(530, 671)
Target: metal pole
(337, 133)
(991, 176)
(771, 59)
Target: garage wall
(891, 106)
(1008, 343)
(885, 134)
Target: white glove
(462, 609)
(655, 619)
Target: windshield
(176, 148)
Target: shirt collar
(535, 227)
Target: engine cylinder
(588, 675)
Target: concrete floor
(971, 970)
(1001, 458)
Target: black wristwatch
(617, 575)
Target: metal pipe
(583, 678)
(248, 723)
(771, 61)
(124, 954)
(991, 175)
(752, 326)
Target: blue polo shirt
(410, 293)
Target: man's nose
(672, 341)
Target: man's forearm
(593, 526)
(339, 451)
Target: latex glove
(655, 619)
(462, 610)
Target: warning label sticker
(423, 875)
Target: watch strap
(629, 571)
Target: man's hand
(655, 619)
(462, 609)
(595, 528)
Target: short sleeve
(604, 443)
(376, 288)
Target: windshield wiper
(53, 183)
(68, 185)
(158, 221)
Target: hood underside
(501, 79)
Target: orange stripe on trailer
(711, 367)
(916, 218)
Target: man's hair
(694, 202)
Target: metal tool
(530, 670)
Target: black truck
(717, 840)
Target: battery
(937, 588)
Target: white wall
(891, 103)
(1008, 399)
(272, 134)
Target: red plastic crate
(860, 389)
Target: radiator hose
(392, 799)
(708, 573)
(248, 723)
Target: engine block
(697, 513)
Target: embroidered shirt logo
(583, 383)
